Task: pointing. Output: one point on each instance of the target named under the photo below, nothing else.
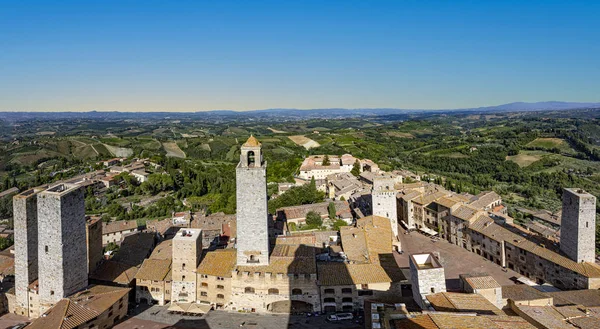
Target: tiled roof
(112, 271)
(154, 269)
(587, 298)
(521, 292)
(487, 227)
(354, 243)
(159, 226)
(287, 259)
(483, 199)
(80, 308)
(297, 212)
(460, 321)
(482, 282)
(7, 264)
(252, 142)
(546, 316)
(163, 250)
(118, 226)
(460, 302)
(135, 248)
(465, 213)
(425, 199)
(218, 263)
(340, 274)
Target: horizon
(235, 56)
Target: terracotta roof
(487, 227)
(287, 259)
(7, 264)
(218, 263)
(587, 298)
(160, 226)
(135, 248)
(80, 308)
(112, 271)
(341, 274)
(154, 269)
(252, 142)
(163, 250)
(460, 321)
(465, 213)
(118, 226)
(483, 199)
(460, 302)
(482, 282)
(354, 243)
(550, 316)
(521, 292)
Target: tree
(313, 219)
(326, 161)
(355, 168)
(331, 210)
(339, 223)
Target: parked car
(340, 317)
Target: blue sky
(196, 55)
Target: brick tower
(252, 215)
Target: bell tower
(252, 215)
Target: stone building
(63, 265)
(384, 201)
(95, 307)
(115, 231)
(214, 278)
(287, 284)
(187, 251)
(578, 228)
(252, 214)
(26, 248)
(427, 277)
(93, 233)
(153, 280)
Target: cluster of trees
(297, 195)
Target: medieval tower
(26, 248)
(62, 252)
(252, 214)
(578, 225)
(384, 201)
(187, 251)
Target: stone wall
(94, 244)
(26, 248)
(426, 282)
(577, 239)
(214, 290)
(62, 251)
(384, 205)
(252, 216)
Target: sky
(243, 55)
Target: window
(203, 294)
(346, 290)
(365, 292)
(183, 266)
(432, 290)
(51, 292)
(220, 286)
(182, 277)
(330, 291)
(220, 296)
(329, 300)
(249, 290)
(46, 248)
(347, 300)
(204, 285)
(296, 291)
(273, 291)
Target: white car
(340, 317)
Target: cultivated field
(173, 150)
(121, 152)
(304, 141)
(523, 160)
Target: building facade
(577, 236)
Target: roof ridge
(62, 319)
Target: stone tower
(26, 248)
(62, 252)
(252, 215)
(578, 225)
(384, 201)
(187, 251)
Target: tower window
(46, 248)
(251, 159)
(586, 225)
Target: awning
(428, 231)
(193, 308)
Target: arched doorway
(290, 306)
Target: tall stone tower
(62, 252)
(578, 225)
(252, 215)
(187, 251)
(384, 201)
(26, 248)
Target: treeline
(297, 195)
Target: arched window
(249, 290)
(346, 290)
(330, 291)
(251, 159)
(220, 286)
(204, 284)
(347, 300)
(329, 300)
(273, 291)
(220, 296)
(296, 291)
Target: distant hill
(294, 113)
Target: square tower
(187, 251)
(62, 251)
(252, 215)
(26, 247)
(384, 201)
(578, 225)
(427, 277)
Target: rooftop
(154, 269)
(425, 261)
(118, 226)
(252, 142)
(460, 302)
(218, 263)
(188, 234)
